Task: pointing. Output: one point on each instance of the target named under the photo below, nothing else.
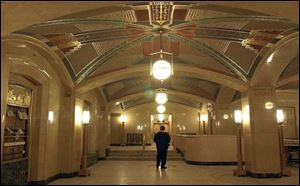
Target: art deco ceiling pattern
(207, 35)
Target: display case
(16, 133)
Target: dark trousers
(161, 158)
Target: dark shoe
(163, 167)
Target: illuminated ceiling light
(269, 105)
(160, 117)
(269, 60)
(161, 98)
(161, 109)
(162, 69)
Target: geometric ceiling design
(205, 35)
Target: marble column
(4, 90)
(67, 129)
(261, 144)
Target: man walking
(162, 140)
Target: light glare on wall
(78, 115)
(50, 116)
(269, 60)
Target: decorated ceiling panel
(205, 35)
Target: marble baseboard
(209, 163)
(263, 175)
(147, 144)
(92, 159)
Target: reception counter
(207, 149)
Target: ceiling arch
(144, 70)
(105, 44)
(37, 13)
(170, 92)
(282, 54)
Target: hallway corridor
(177, 173)
(92, 90)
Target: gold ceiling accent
(258, 39)
(161, 13)
(67, 43)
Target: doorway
(158, 120)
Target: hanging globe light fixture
(161, 69)
(161, 117)
(161, 96)
(161, 109)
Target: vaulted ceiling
(219, 37)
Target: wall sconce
(50, 117)
(240, 171)
(269, 105)
(279, 116)
(123, 119)
(86, 117)
(204, 118)
(238, 116)
(85, 121)
(140, 127)
(280, 120)
(225, 116)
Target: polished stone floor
(110, 172)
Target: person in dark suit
(162, 140)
